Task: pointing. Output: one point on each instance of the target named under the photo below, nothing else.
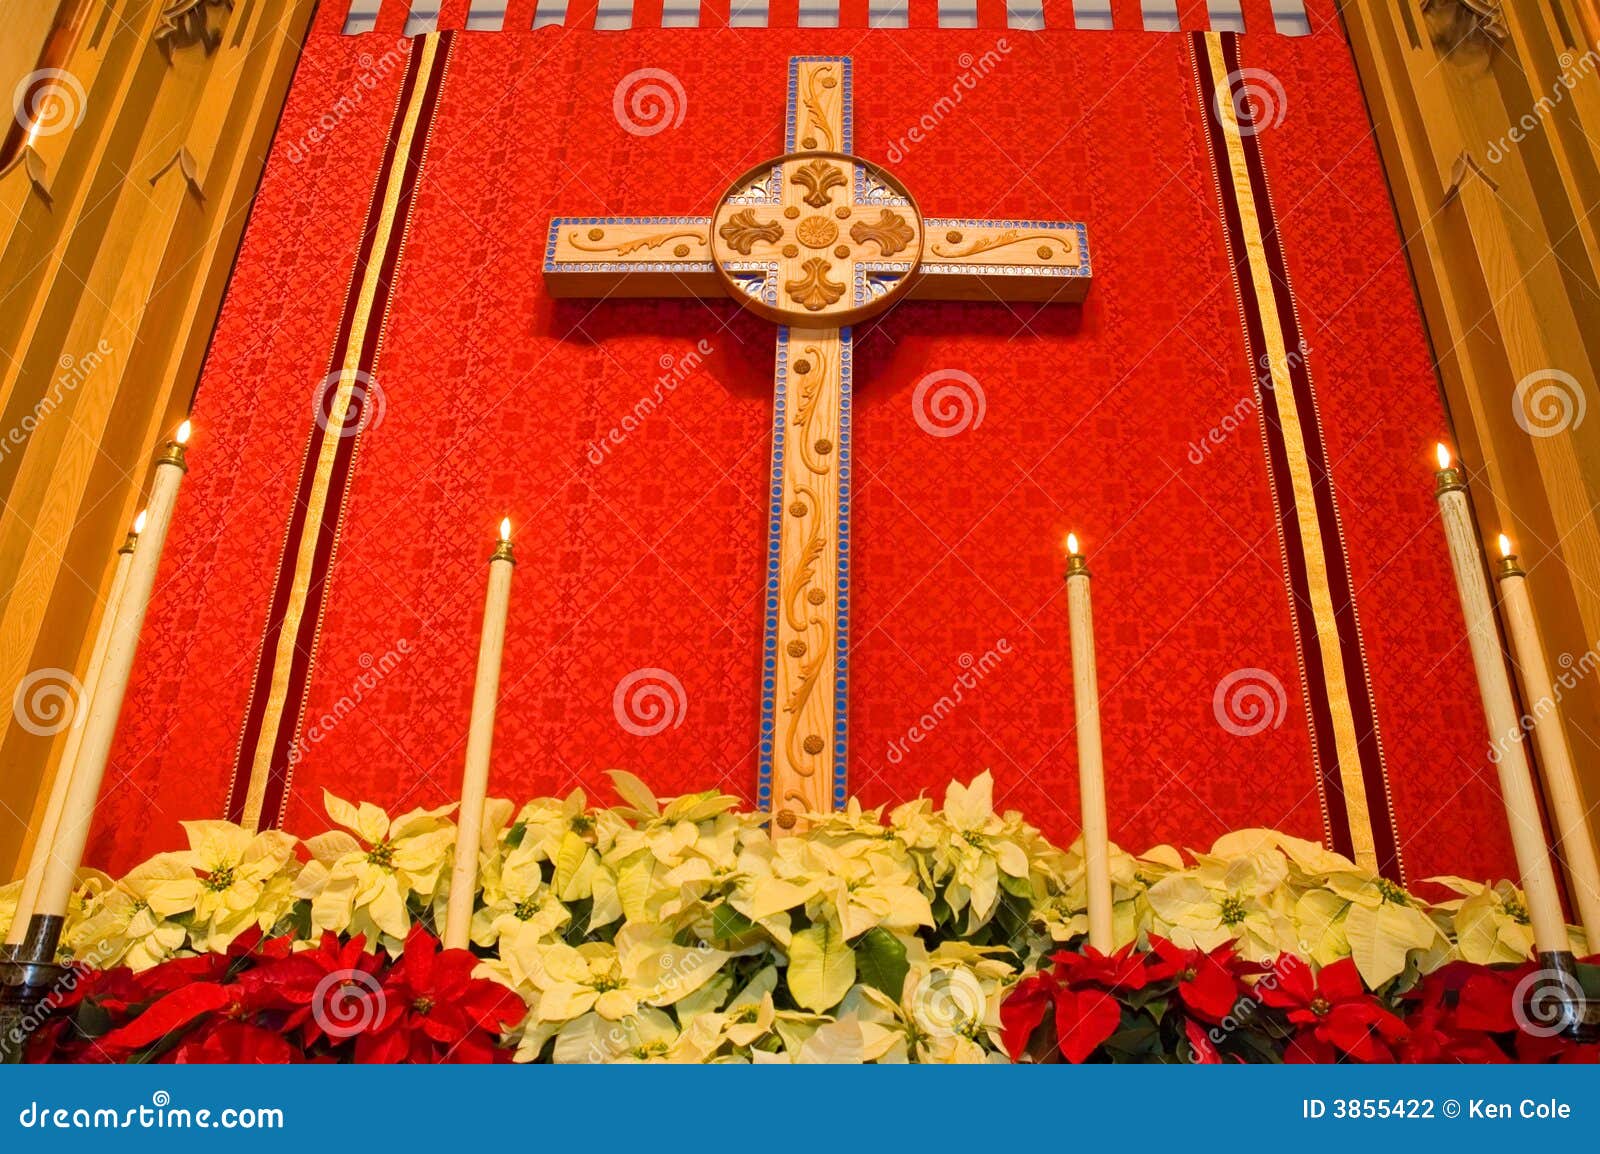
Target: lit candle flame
(138, 522)
(1444, 456)
(182, 435)
(1072, 544)
(505, 529)
(1505, 545)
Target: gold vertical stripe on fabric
(1346, 741)
(283, 658)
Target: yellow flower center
(1233, 910)
(1320, 1006)
(422, 1005)
(1516, 911)
(1393, 893)
(382, 856)
(219, 879)
(526, 909)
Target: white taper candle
(44, 842)
(1091, 759)
(480, 736)
(77, 811)
(1494, 686)
(1560, 778)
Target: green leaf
(516, 834)
(822, 967)
(728, 923)
(881, 961)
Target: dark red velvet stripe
(855, 13)
(1257, 15)
(1127, 15)
(331, 17)
(344, 461)
(392, 17)
(1322, 734)
(1340, 581)
(992, 14)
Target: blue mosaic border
(847, 134)
(769, 646)
(841, 658)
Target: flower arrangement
(680, 930)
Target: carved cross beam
(815, 240)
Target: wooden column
(1487, 140)
(126, 223)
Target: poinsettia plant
(680, 929)
(1170, 1003)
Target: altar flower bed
(679, 930)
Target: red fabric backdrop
(654, 557)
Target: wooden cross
(816, 240)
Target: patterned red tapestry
(317, 619)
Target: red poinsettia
(1335, 1015)
(1207, 983)
(335, 989)
(434, 1010)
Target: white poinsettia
(517, 900)
(1491, 923)
(360, 882)
(1383, 925)
(980, 850)
(229, 884)
(1242, 900)
(641, 968)
(121, 927)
